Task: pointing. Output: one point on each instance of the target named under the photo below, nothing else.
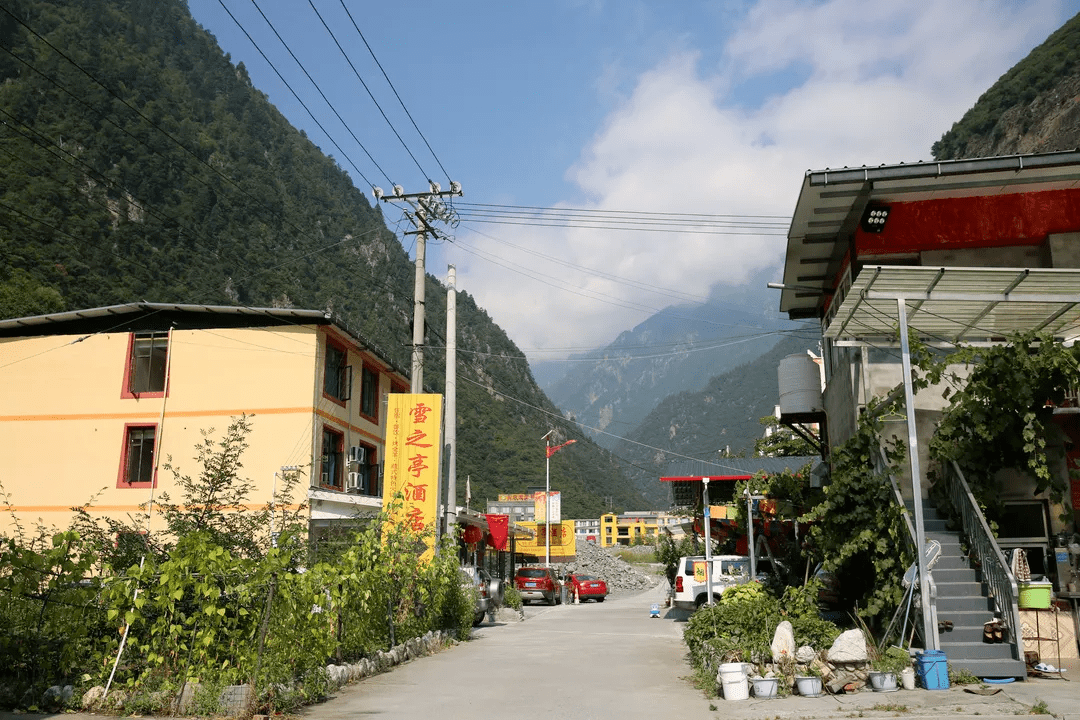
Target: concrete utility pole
(451, 397)
(423, 208)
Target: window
(367, 473)
(148, 354)
(337, 376)
(369, 392)
(332, 461)
(137, 456)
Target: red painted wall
(972, 222)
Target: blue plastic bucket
(933, 669)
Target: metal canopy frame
(959, 304)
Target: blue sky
(668, 107)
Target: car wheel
(600, 599)
(551, 600)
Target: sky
(613, 106)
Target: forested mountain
(137, 163)
(1034, 107)
(676, 350)
(700, 425)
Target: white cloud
(878, 83)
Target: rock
(57, 696)
(805, 654)
(783, 642)
(92, 697)
(849, 647)
(619, 575)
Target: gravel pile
(619, 575)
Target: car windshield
(532, 572)
(734, 567)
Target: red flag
(499, 527)
(551, 450)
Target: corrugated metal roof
(958, 304)
(742, 468)
(832, 201)
(159, 316)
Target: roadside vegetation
(212, 600)
(997, 418)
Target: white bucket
(907, 678)
(732, 677)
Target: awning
(958, 304)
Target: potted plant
(809, 685)
(886, 666)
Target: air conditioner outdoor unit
(352, 484)
(358, 454)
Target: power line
(295, 95)
(644, 213)
(407, 113)
(370, 95)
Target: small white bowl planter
(764, 687)
(882, 681)
(808, 686)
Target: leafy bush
(740, 627)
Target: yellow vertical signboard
(411, 470)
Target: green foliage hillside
(138, 163)
(1036, 98)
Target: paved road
(596, 660)
(611, 660)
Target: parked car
(587, 587)
(488, 591)
(691, 589)
(538, 583)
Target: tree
(782, 441)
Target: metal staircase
(964, 599)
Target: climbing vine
(999, 417)
(858, 527)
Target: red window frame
(125, 447)
(338, 481)
(367, 369)
(345, 369)
(129, 367)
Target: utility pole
(451, 398)
(423, 209)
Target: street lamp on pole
(547, 497)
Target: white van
(691, 590)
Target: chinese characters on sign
(549, 509)
(413, 435)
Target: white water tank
(800, 385)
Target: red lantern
(472, 534)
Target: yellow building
(634, 528)
(92, 402)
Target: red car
(587, 587)
(537, 583)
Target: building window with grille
(337, 374)
(364, 475)
(137, 456)
(147, 360)
(369, 393)
(331, 463)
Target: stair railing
(881, 465)
(996, 572)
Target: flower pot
(732, 677)
(882, 681)
(809, 686)
(764, 687)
